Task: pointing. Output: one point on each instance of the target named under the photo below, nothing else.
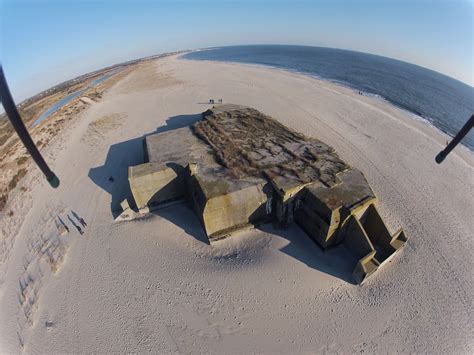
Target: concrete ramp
(370, 241)
(346, 214)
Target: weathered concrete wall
(150, 187)
(318, 222)
(233, 210)
(324, 210)
(370, 242)
(385, 244)
(357, 240)
(227, 205)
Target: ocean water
(444, 102)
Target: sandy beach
(154, 285)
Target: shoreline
(342, 84)
(160, 288)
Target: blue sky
(44, 42)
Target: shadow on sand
(112, 177)
(182, 215)
(336, 261)
(180, 121)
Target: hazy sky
(44, 42)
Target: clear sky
(44, 42)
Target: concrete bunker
(239, 168)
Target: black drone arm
(19, 126)
(457, 138)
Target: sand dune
(155, 285)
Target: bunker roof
(251, 144)
(352, 189)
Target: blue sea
(443, 101)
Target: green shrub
(22, 160)
(17, 177)
(3, 201)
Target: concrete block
(151, 187)
(324, 210)
(226, 206)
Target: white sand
(153, 285)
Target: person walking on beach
(75, 225)
(79, 219)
